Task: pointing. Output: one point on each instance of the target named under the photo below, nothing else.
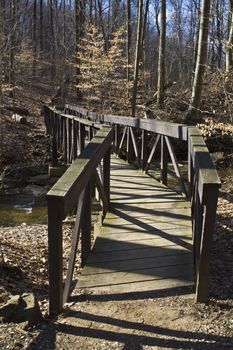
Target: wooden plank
(136, 265)
(110, 244)
(144, 274)
(142, 286)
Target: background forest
(121, 54)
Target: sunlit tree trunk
(161, 62)
(229, 61)
(137, 56)
(194, 107)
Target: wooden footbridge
(152, 237)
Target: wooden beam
(74, 246)
(55, 255)
(175, 165)
(152, 153)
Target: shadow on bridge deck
(145, 244)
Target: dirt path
(100, 323)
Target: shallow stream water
(24, 205)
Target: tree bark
(137, 54)
(229, 61)
(128, 43)
(41, 27)
(194, 107)
(161, 62)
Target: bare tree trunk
(137, 56)
(161, 62)
(12, 47)
(194, 107)
(128, 42)
(90, 12)
(229, 61)
(34, 37)
(53, 63)
(41, 27)
(101, 23)
(79, 17)
(219, 15)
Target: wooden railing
(68, 131)
(73, 191)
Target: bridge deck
(145, 243)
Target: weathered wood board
(145, 243)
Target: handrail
(68, 132)
(178, 131)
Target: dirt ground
(165, 320)
(168, 320)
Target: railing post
(86, 226)
(129, 148)
(190, 169)
(55, 255)
(209, 200)
(58, 132)
(81, 137)
(144, 149)
(106, 174)
(54, 141)
(116, 137)
(164, 160)
(46, 119)
(90, 133)
(62, 134)
(75, 140)
(65, 140)
(69, 140)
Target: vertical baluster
(106, 174)
(58, 132)
(129, 148)
(144, 149)
(54, 141)
(75, 140)
(116, 137)
(69, 140)
(65, 141)
(86, 226)
(62, 134)
(90, 133)
(164, 160)
(81, 137)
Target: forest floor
(95, 322)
